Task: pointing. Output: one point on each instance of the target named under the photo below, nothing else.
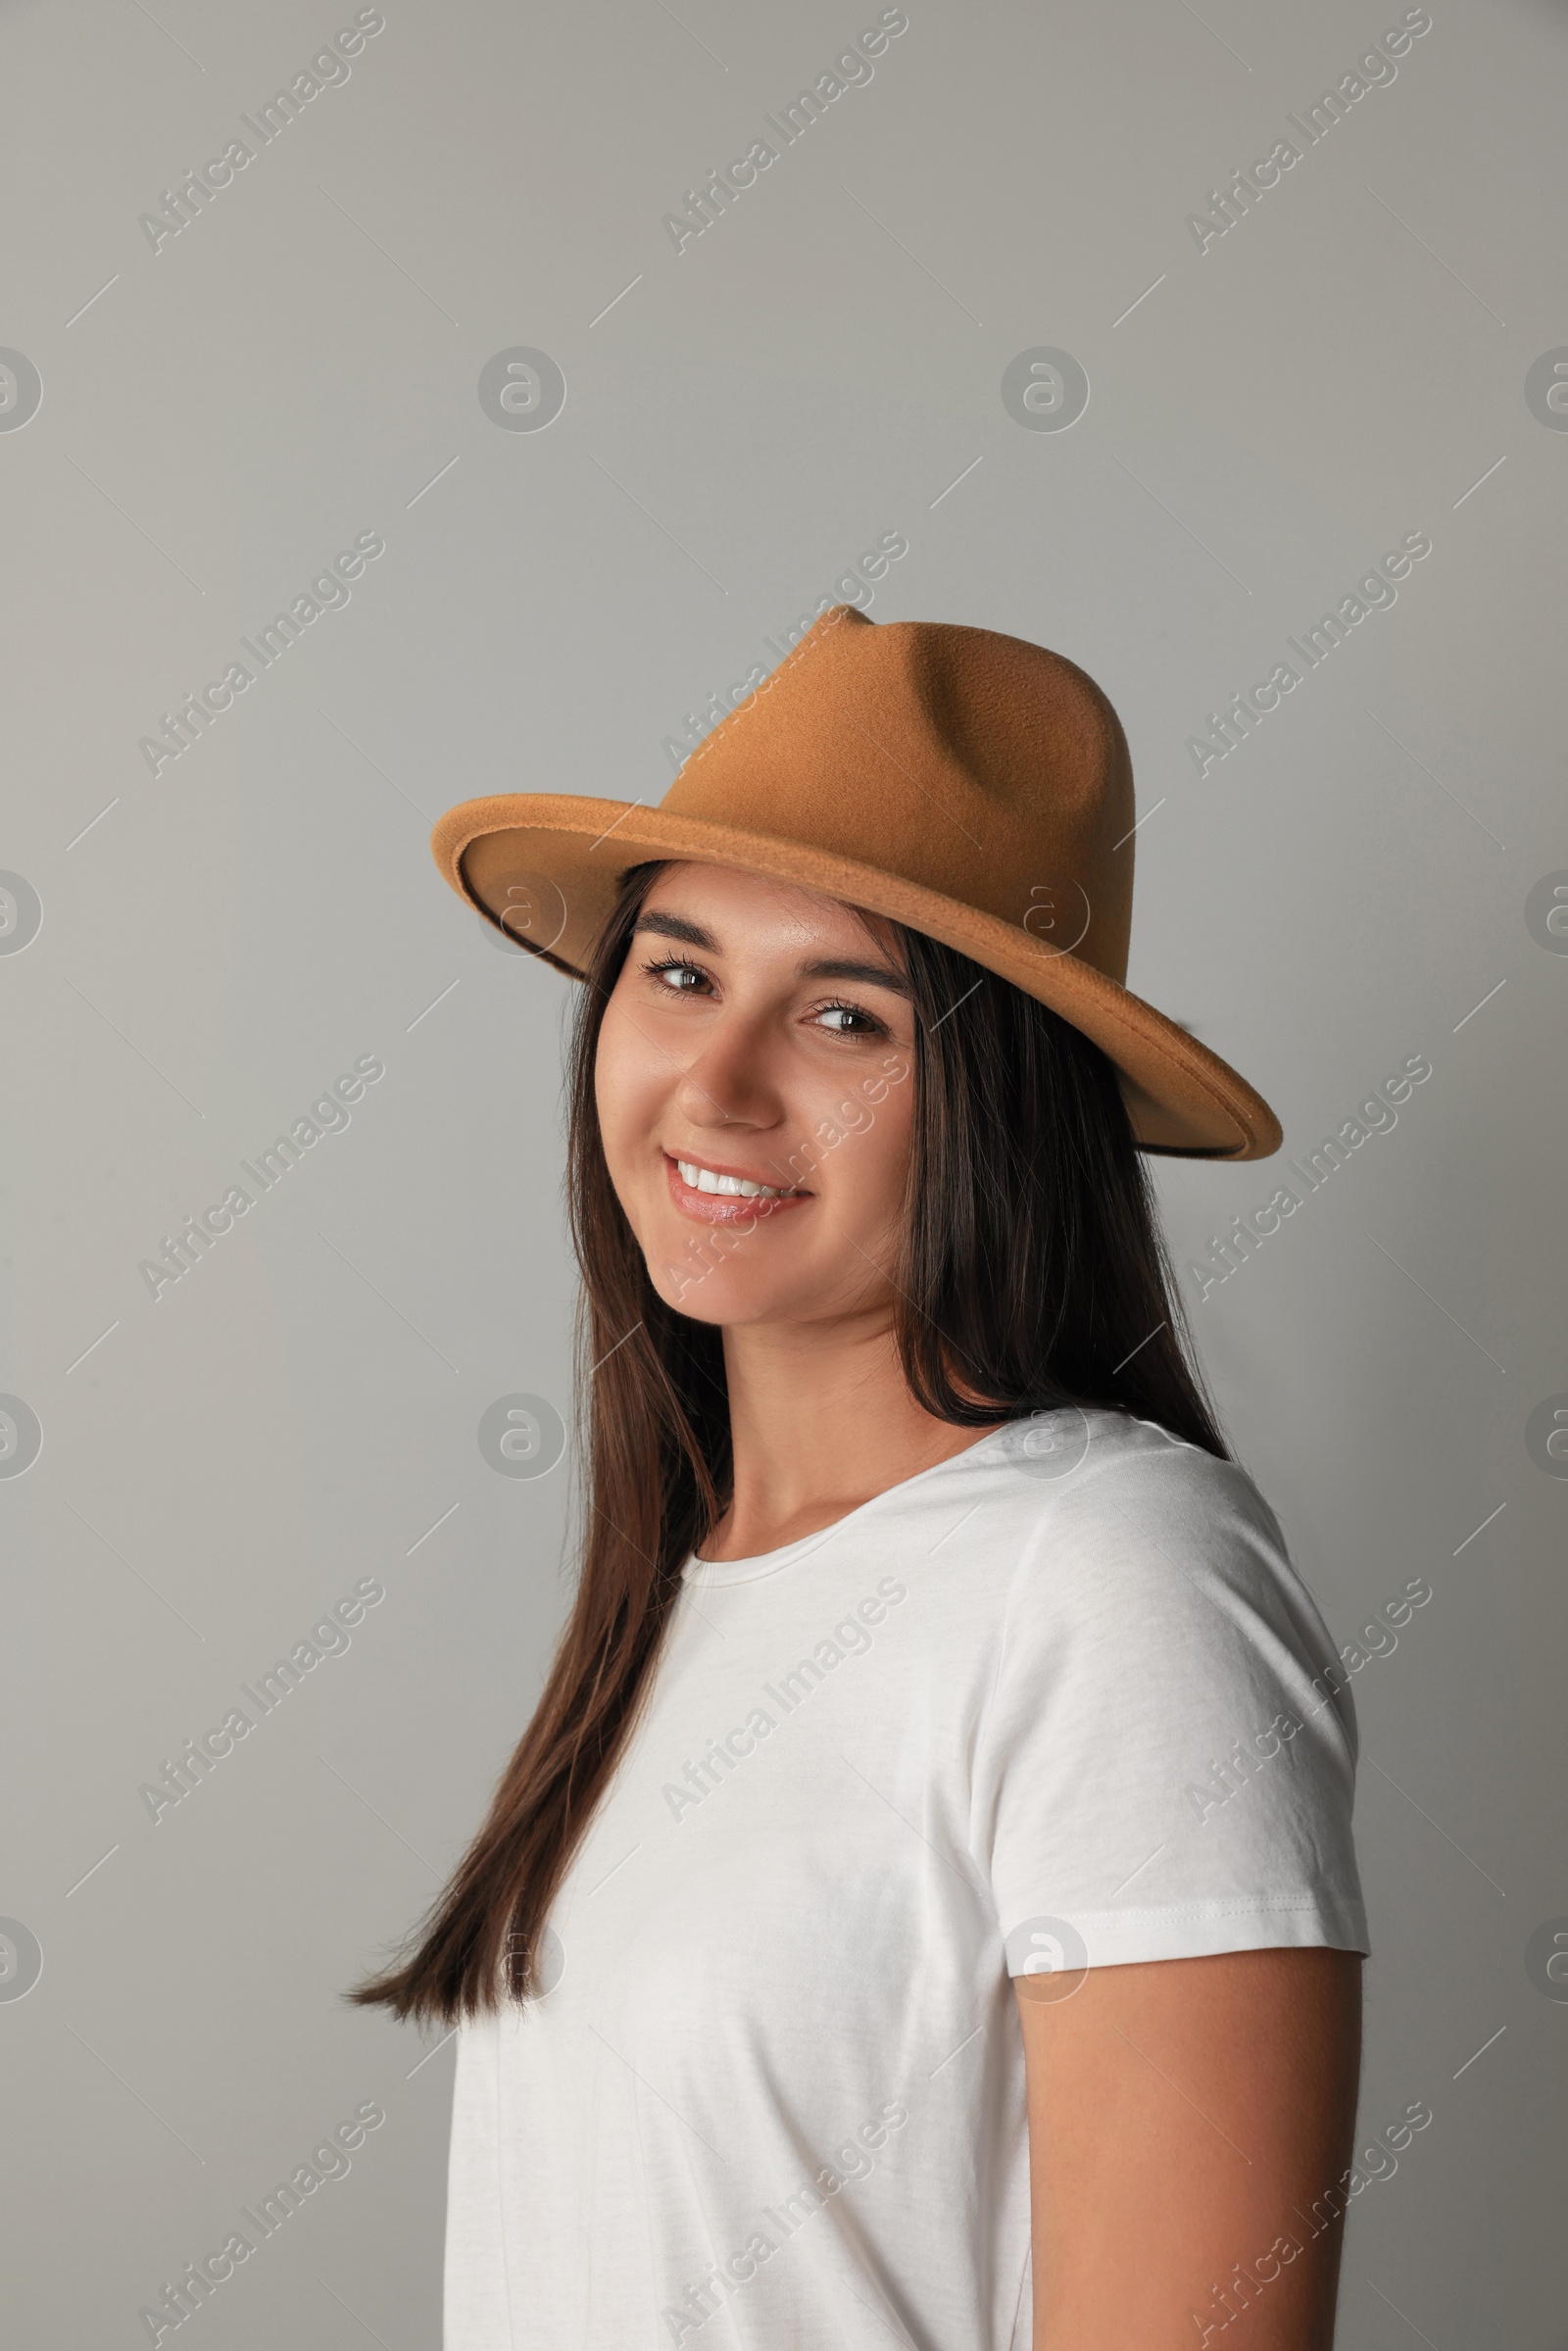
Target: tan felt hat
(965, 783)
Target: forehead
(739, 909)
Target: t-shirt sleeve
(1166, 1764)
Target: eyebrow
(825, 967)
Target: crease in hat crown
(900, 714)
(971, 784)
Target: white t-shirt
(1050, 1701)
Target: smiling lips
(715, 1195)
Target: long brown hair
(1031, 1275)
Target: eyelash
(835, 1003)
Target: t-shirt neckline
(711, 1572)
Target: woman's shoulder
(1137, 1467)
(1098, 1464)
(1099, 1512)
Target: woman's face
(757, 1035)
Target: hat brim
(1183, 1100)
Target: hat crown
(973, 764)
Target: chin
(721, 1292)
(710, 1298)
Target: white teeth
(703, 1179)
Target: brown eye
(838, 1017)
(688, 976)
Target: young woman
(922, 1908)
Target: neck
(821, 1420)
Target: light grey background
(1346, 364)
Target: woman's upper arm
(1183, 2116)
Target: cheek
(631, 1081)
(863, 1169)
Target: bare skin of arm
(1183, 2117)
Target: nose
(728, 1084)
